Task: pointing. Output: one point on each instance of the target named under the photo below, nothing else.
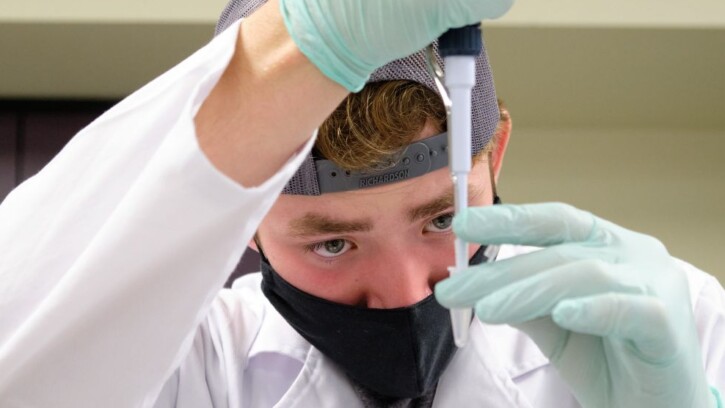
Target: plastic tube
(459, 48)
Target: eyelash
(448, 214)
(320, 245)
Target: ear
(503, 133)
(253, 244)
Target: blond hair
(377, 122)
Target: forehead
(389, 201)
(396, 203)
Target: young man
(113, 254)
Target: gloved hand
(609, 307)
(348, 39)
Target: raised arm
(269, 100)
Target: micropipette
(459, 48)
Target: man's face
(382, 247)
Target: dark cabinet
(32, 132)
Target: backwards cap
(316, 176)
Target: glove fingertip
(442, 292)
(460, 222)
(472, 222)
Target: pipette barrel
(459, 47)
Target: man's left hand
(609, 307)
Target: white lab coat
(246, 355)
(113, 255)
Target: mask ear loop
(491, 252)
(496, 199)
(262, 256)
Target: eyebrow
(439, 204)
(317, 224)
(312, 224)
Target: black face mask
(397, 353)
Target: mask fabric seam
(416, 352)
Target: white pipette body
(460, 77)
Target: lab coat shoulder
(708, 298)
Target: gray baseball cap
(317, 176)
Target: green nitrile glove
(348, 39)
(609, 307)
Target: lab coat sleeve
(112, 254)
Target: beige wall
(669, 183)
(126, 11)
(641, 13)
(617, 13)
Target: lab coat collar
(276, 335)
(320, 384)
(484, 372)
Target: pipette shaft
(459, 48)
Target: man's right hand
(348, 39)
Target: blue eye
(441, 223)
(330, 248)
